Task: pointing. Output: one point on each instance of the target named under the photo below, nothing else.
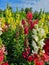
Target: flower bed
(24, 40)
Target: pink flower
(26, 52)
(26, 30)
(25, 55)
(45, 57)
(5, 63)
(29, 15)
(1, 58)
(1, 55)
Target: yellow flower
(18, 16)
(42, 20)
(10, 20)
(46, 29)
(48, 16)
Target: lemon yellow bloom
(48, 16)
(42, 20)
(46, 29)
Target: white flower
(43, 51)
(41, 42)
(35, 37)
(35, 31)
(34, 52)
(36, 48)
(41, 32)
(0, 28)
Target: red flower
(45, 57)
(26, 52)
(36, 56)
(1, 55)
(46, 46)
(36, 21)
(32, 24)
(26, 30)
(23, 22)
(30, 58)
(38, 62)
(47, 41)
(29, 15)
(6, 63)
(1, 58)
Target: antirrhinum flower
(35, 37)
(36, 48)
(41, 43)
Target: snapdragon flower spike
(26, 52)
(29, 16)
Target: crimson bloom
(26, 52)
(38, 62)
(30, 58)
(25, 55)
(29, 15)
(46, 46)
(32, 24)
(26, 30)
(23, 22)
(1, 55)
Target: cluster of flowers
(2, 53)
(39, 53)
